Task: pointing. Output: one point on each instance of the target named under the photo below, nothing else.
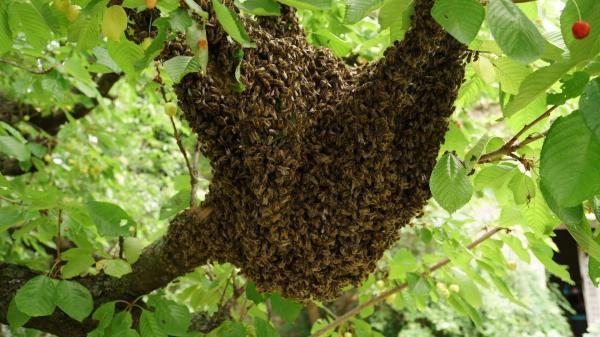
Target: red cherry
(581, 29)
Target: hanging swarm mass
(316, 166)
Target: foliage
(521, 153)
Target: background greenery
(122, 162)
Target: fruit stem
(577, 7)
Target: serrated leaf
(231, 23)
(536, 84)
(196, 8)
(522, 187)
(460, 18)
(5, 33)
(510, 74)
(515, 34)
(472, 157)
(31, 22)
(14, 148)
(74, 299)
(104, 314)
(356, 10)
(79, 260)
(314, 5)
(544, 255)
(589, 105)
(394, 11)
(110, 219)
(173, 319)
(149, 326)
(260, 7)
(178, 66)
(126, 54)
(569, 161)
(515, 244)
(327, 39)
(449, 183)
(117, 267)
(37, 297)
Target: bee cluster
(316, 165)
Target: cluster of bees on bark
(316, 165)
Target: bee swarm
(316, 165)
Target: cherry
(581, 29)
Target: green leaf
(12, 147)
(85, 31)
(285, 308)
(590, 12)
(327, 39)
(104, 314)
(74, 299)
(582, 233)
(449, 183)
(589, 105)
(174, 319)
(114, 22)
(132, 248)
(356, 10)
(119, 325)
(29, 20)
(468, 289)
(515, 34)
(472, 157)
(14, 316)
(494, 177)
(79, 261)
(196, 8)
(544, 255)
(126, 54)
(232, 25)
(37, 297)
(536, 84)
(264, 328)
(229, 329)
(515, 244)
(314, 5)
(260, 7)
(460, 18)
(522, 187)
(179, 66)
(110, 219)
(117, 268)
(572, 87)
(402, 263)
(594, 271)
(199, 62)
(253, 294)
(149, 326)
(569, 161)
(510, 74)
(572, 214)
(10, 216)
(5, 33)
(595, 204)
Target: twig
(180, 145)
(192, 169)
(379, 299)
(33, 71)
(512, 145)
(58, 236)
(194, 175)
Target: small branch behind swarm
(379, 299)
(513, 145)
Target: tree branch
(157, 266)
(512, 145)
(379, 299)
